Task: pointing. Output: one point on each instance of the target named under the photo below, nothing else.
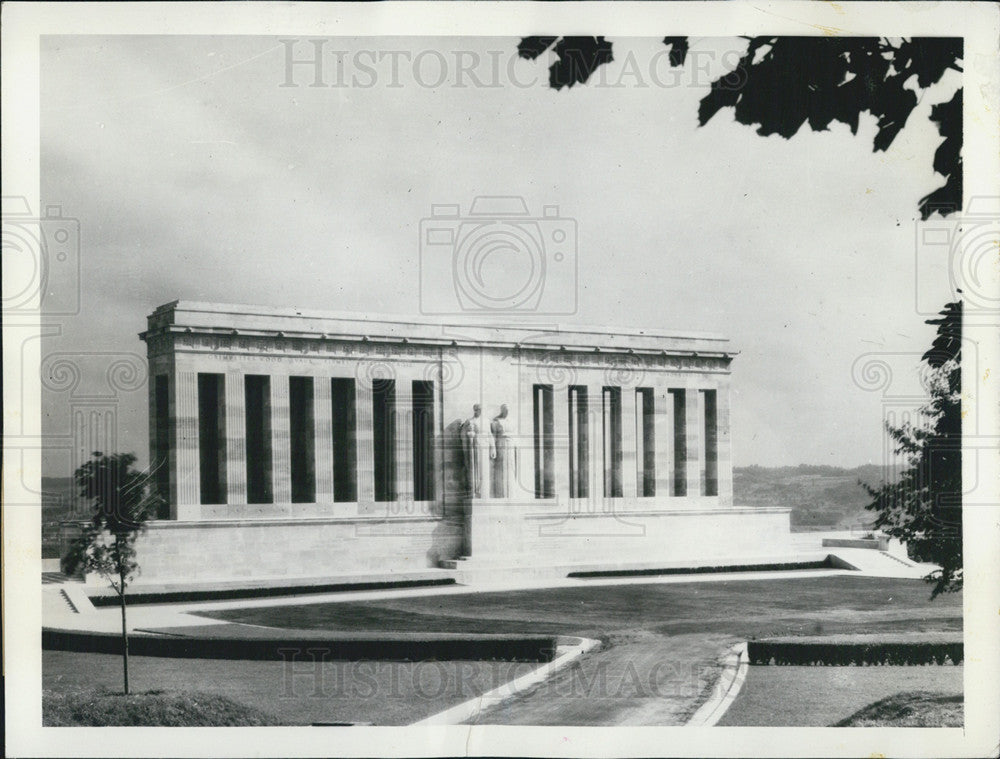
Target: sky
(195, 174)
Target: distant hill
(821, 497)
(58, 504)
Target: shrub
(867, 653)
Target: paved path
(639, 678)
(648, 680)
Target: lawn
(823, 696)
(661, 640)
(295, 693)
(741, 609)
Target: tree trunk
(121, 596)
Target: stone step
(68, 600)
(472, 571)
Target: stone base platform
(523, 538)
(606, 533)
(228, 552)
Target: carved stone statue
(472, 451)
(501, 456)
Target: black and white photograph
(521, 379)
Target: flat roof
(242, 319)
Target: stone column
(437, 449)
(562, 442)
(281, 444)
(404, 440)
(725, 447)
(595, 435)
(694, 431)
(365, 441)
(528, 421)
(155, 454)
(187, 503)
(323, 449)
(236, 439)
(663, 432)
(630, 445)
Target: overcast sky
(196, 175)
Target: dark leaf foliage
(576, 57)
(122, 501)
(923, 507)
(947, 345)
(947, 160)
(678, 49)
(783, 83)
(789, 81)
(532, 47)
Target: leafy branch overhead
(782, 83)
(576, 57)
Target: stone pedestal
(495, 527)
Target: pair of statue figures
(475, 442)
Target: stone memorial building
(304, 444)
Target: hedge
(869, 653)
(391, 647)
(827, 563)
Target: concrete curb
(734, 674)
(472, 708)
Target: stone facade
(309, 444)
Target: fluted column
(694, 432)
(562, 441)
(663, 430)
(365, 441)
(527, 406)
(630, 443)
(281, 443)
(236, 439)
(156, 452)
(187, 503)
(404, 440)
(323, 449)
(724, 446)
(437, 450)
(595, 430)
